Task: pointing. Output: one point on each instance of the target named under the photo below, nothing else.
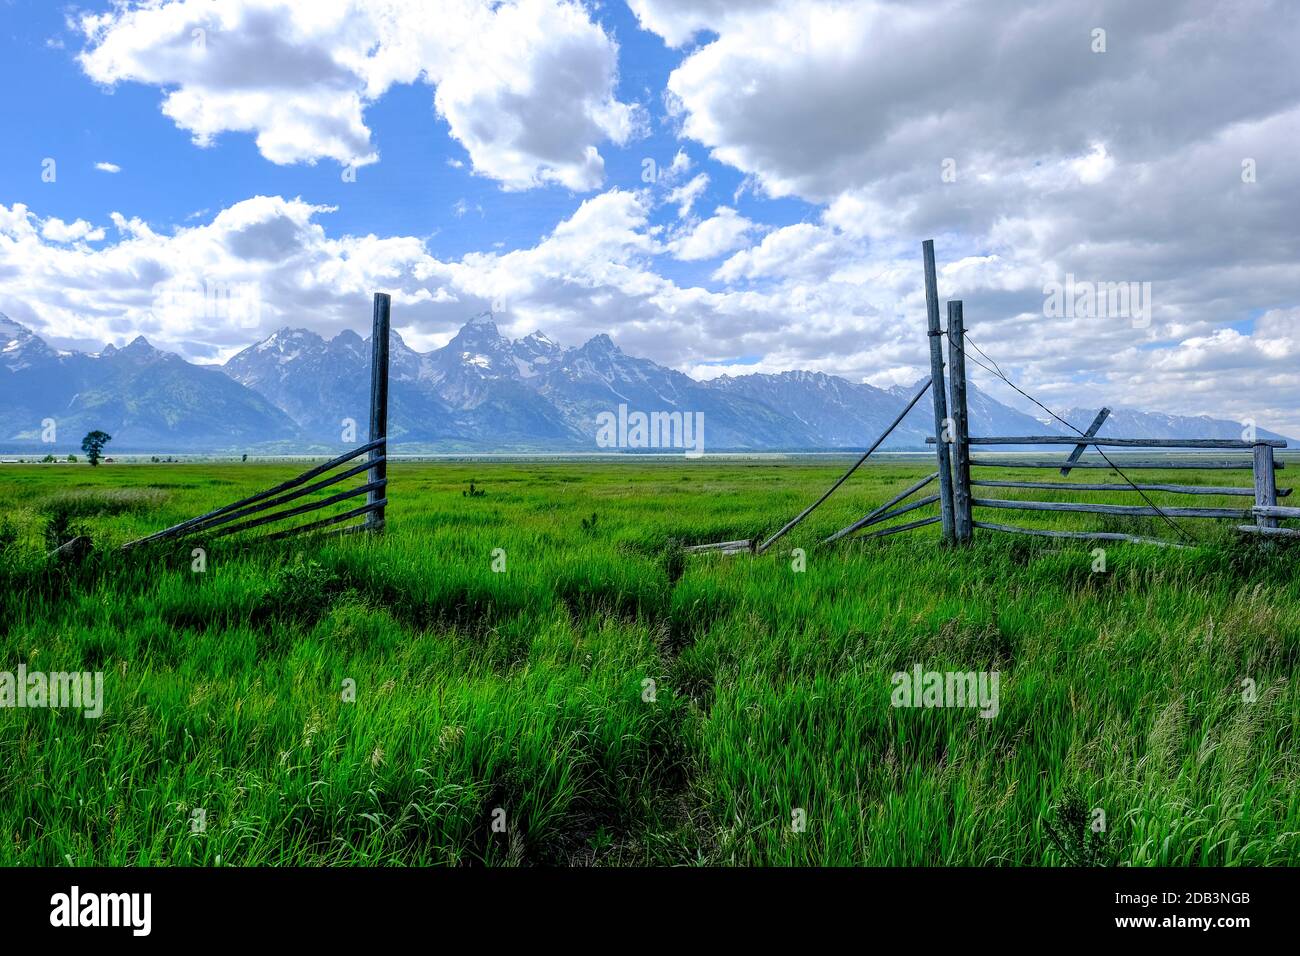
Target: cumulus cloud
(1000, 131)
(56, 230)
(527, 87)
(992, 127)
(723, 232)
(108, 167)
(685, 195)
(806, 296)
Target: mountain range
(297, 392)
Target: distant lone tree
(93, 445)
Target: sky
(723, 186)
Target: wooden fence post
(378, 408)
(938, 391)
(961, 496)
(1265, 483)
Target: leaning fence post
(1265, 484)
(378, 408)
(961, 498)
(938, 392)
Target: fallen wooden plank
(867, 519)
(742, 544)
(1115, 486)
(891, 515)
(1078, 535)
(902, 527)
(726, 546)
(1080, 448)
(72, 550)
(1136, 511)
(1120, 463)
(844, 477)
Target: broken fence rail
(270, 498)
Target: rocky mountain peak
(9, 329)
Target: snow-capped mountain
(833, 411)
(19, 348)
(324, 386)
(481, 392)
(1123, 422)
(599, 377)
(148, 400)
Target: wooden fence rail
(1077, 535)
(1115, 486)
(953, 442)
(374, 466)
(872, 516)
(1244, 465)
(1134, 511)
(1123, 442)
(954, 431)
(1268, 531)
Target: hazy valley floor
(607, 699)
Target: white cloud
(685, 195)
(1094, 167)
(725, 231)
(803, 251)
(108, 167)
(527, 87)
(678, 21)
(56, 230)
(1124, 166)
(807, 296)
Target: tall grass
(606, 699)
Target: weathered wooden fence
(956, 496)
(1263, 515)
(256, 512)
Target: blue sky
(413, 190)
(501, 147)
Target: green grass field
(506, 717)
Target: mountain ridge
(296, 391)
